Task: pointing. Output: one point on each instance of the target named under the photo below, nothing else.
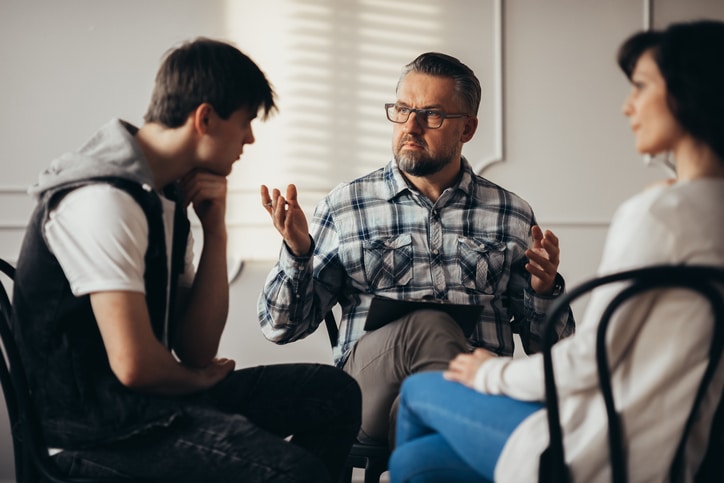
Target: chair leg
(346, 476)
(374, 471)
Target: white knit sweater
(657, 348)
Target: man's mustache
(414, 140)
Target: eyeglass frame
(422, 112)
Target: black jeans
(238, 432)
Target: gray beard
(419, 166)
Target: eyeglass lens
(428, 117)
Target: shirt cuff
(293, 265)
(541, 303)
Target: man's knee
(434, 339)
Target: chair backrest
(8, 387)
(32, 458)
(33, 462)
(701, 279)
(25, 429)
(332, 330)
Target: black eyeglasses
(430, 118)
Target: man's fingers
(547, 250)
(537, 271)
(265, 197)
(551, 237)
(292, 193)
(537, 234)
(541, 258)
(540, 265)
(274, 201)
(552, 252)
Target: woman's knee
(401, 461)
(429, 458)
(420, 385)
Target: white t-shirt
(99, 234)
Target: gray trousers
(425, 340)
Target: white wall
(67, 67)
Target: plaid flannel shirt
(378, 236)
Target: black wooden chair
(33, 462)
(373, 458)
(706, 281)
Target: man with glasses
(425, 226)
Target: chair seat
(367, 450)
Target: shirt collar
(397, 184)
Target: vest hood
(111, 152)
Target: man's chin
(417, 168)
(405, 162)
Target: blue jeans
(236, 432)
(447, 432)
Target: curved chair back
(704, 280)
(5, 379)
(32, 459)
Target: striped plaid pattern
(377, 236)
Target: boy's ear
(202, 117)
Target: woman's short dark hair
(690, 57)
(467, 86)
(207, 71)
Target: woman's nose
(627, 107)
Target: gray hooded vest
(78, 398)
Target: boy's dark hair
(689, 56)
(211, 71)
(467, 86)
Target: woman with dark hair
(484, 419)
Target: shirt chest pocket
(481, 264)
(388, 262)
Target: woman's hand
(463, 368)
